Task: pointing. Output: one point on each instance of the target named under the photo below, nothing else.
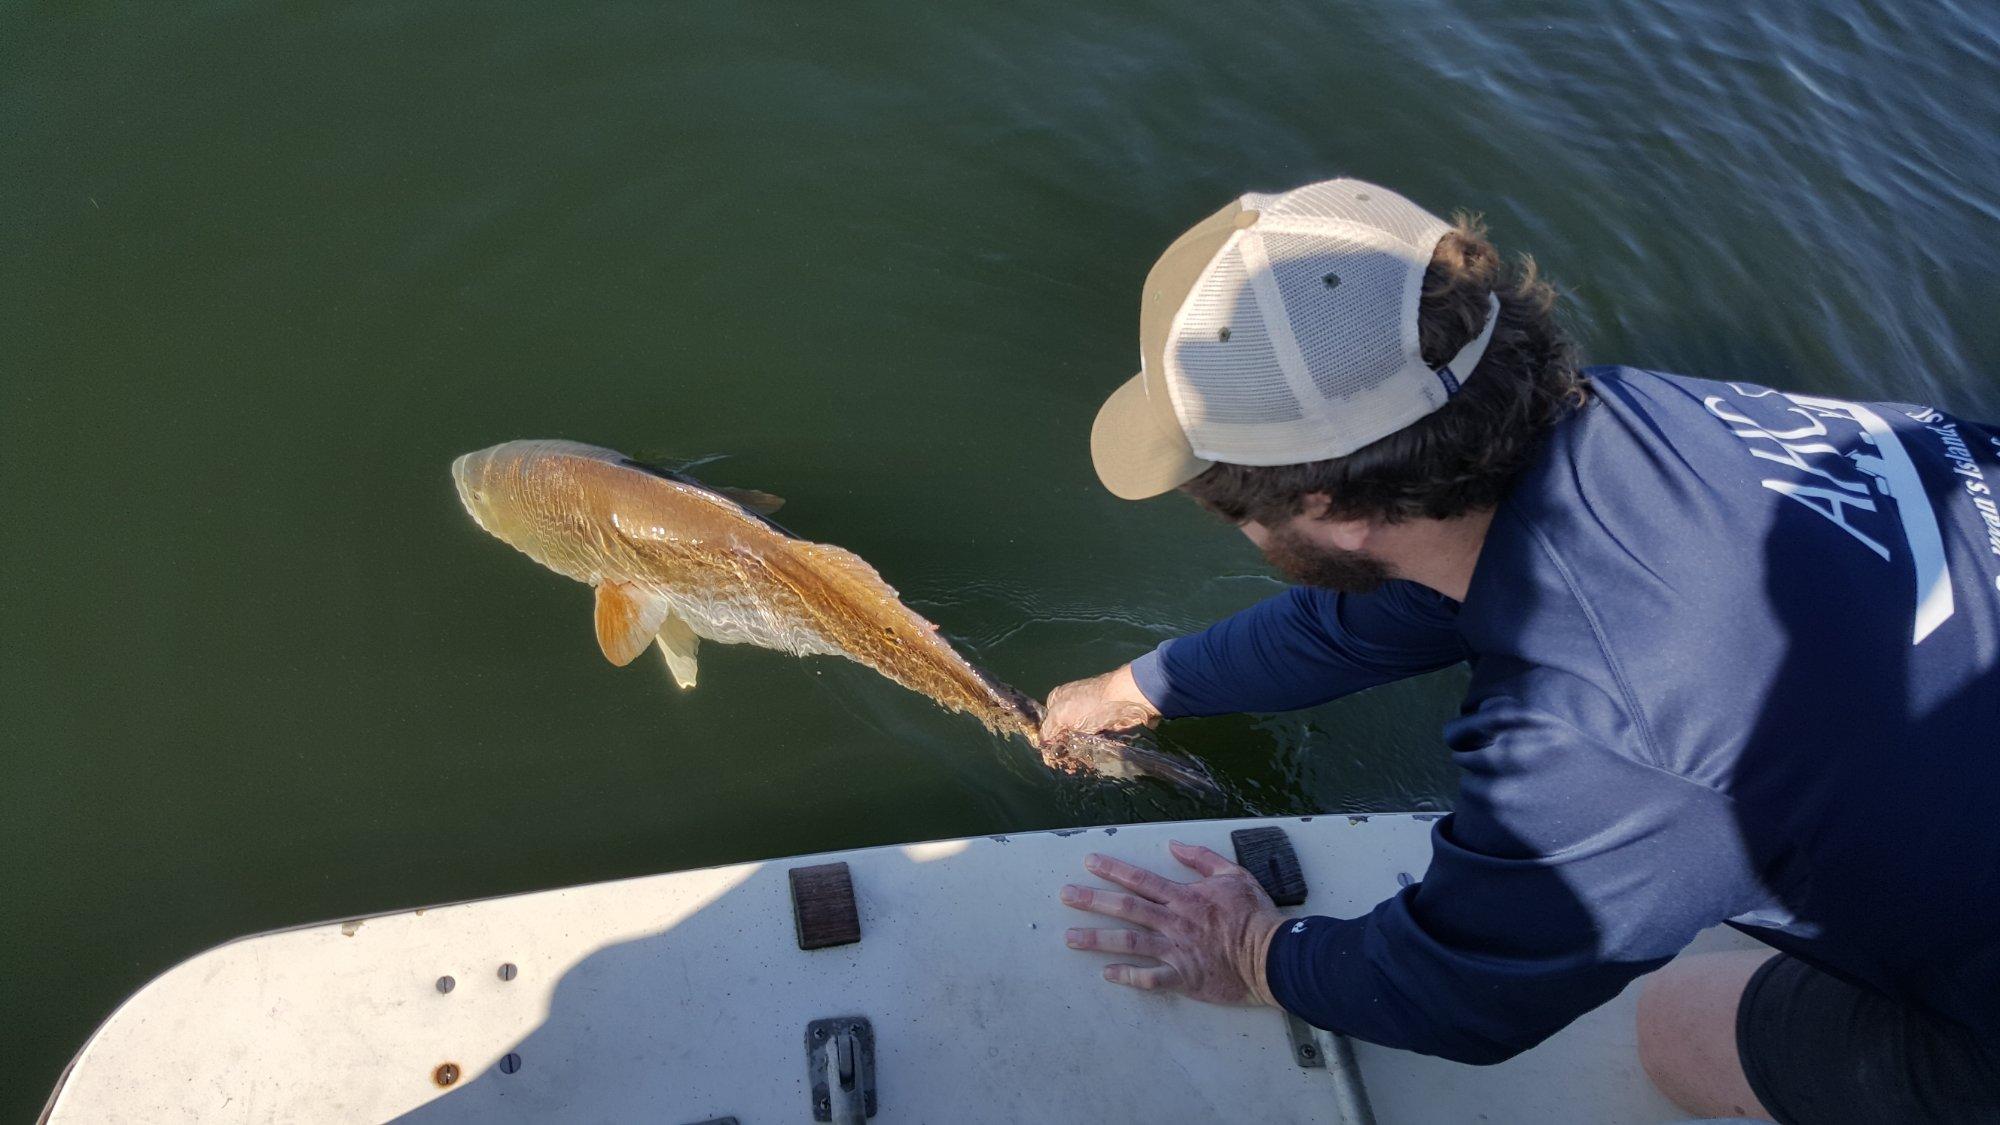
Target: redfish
(675, 562)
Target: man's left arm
(1567, 871)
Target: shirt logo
(1845, 463)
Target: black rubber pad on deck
(823, 906)
(1267, 853)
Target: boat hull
(684, 997)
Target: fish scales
(733, 577)
(676, 561)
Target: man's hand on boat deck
(1111, 701)
(1210, 936)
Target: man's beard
(1308, 563)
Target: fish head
(527, 494)
(468, 475)
(489, 486)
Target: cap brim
(1138, 446)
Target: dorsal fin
(661, 471)
(754, 499)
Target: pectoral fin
(762, 503)
(627, 620)
(677, 644)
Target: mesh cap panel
(1349, 328)
(1364, 204)
(1230, 381)
(1317, 291)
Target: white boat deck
(684, 998)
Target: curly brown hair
(1464, 456)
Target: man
(1735, 656)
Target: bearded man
(1735, 658)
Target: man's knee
(1687, 1032)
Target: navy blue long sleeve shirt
(1735, 657)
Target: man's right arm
(1301, 648)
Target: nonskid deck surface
(685, 997)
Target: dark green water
(266, 268)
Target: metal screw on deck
(507, 971)
(446, 984)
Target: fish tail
(1126, 759)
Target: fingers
(1067, 705)
(1138, 880)
(1207, 862)
(1126, 716)
(1062, 762)
(1125, 908)
(1145, 943)
(1053, 725)
(1110, 701)
(1146, 979)
(1060, 726)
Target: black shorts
(1820, 1050)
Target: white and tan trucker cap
(1281, 329)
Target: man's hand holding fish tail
(1108, 702)
(1734, 658)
